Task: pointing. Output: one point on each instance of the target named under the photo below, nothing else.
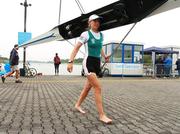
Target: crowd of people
(164, 66)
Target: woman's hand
(107, 57)
(70, 67)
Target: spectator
(178, 66)
(159, 66)
(0, 67)
(14, 61)
(57, 61)
(167, 65)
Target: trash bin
(22, 72)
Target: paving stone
(3, 132)
(24, 131)
(45, 105)
(96, 132)
(117, 131)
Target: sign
(23, 37)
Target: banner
(23, 37)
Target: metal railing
(161, 70)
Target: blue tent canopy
(158, 50)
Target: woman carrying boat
(92, 40)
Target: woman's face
(95, 24)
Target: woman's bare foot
(105, 119)
(78, 108)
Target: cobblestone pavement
(45, 105)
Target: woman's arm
(73, 55)
(103, 54)
(75, 51)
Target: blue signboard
(23, 37)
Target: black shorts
(92, 65)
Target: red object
(57, 60)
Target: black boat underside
(120, 13)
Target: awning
(158, 50)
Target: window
(138, 54)
(127, 53)
(117, 56)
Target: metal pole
(25, 14)
(80, 6)
(25, 18)
(59, 20)
(153, 63)
(116, 48)
(25, 4)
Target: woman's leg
(83, 95)
(93, 80)
(58, 69)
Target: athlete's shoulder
(84, 37)
(84, 34)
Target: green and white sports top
(92, 42)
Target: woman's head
(94, 22)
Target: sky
(160, 30)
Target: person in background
(159, 66)
(57, 62)
(0, 67)
(178, 66)
(13, 61)
(167, 65)
(1, 73)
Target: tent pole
(153, 63)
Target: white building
(127, 59)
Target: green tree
(3, 59)
(147, 60)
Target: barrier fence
(161, 70)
